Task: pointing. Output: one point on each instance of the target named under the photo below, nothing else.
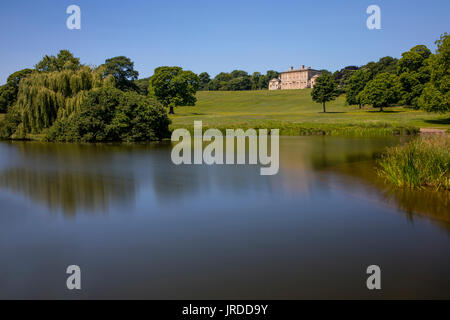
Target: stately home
(295, 79)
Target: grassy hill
(295, 113)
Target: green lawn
(295, 113)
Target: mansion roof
(299, 69)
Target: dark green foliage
(414, 72)
(237, 80)
(8, 92)
(63, 61)
(436, 93)
(240, 83)
(342, 77)
(8, 96)
(256, 79)
(324, 71)
(413, 60)
(10, 124)
(15, 78)
(382, 91)
(412, 85)
(122, 69)
(142, 85)
(324, 90)
(109, 114)
(355, 85)
(263, 83)
(174, 87)
(204, 81)
(239, 74)
(385, 64)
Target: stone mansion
(295, 79)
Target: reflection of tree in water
(68, 191)
(431, 204)
(354, 158)
(75, 177)
(434, 205)
(331, 151)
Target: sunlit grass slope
(295, 113)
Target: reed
(422, 162)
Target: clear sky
(216, 35)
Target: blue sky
(215, 35)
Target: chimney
(292, 68)
(303, 66)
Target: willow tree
(46, 96)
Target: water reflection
(308, 232)
(71, 178)
(68, 192)
(433, 205)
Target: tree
(109, 114)
(256, 80)
(271, 74)
(172, 87)
(223, 77)
(343, 76)
(214, 85)
(122, 69)
(385, 64)
(10, 123)
(413, 59)
(44, 97)
(239, 74)
(205, 79)
(239, 84)
(382, 91)
(414, 72)
(324, 90)
(355, 85)
(142, 86)
(63, 61)
(436, 93)
(240, 80)
(264, 80)
(8, 92)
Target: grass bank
(294, 113)
(422, 162)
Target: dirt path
(432, 131)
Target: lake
(140, 227)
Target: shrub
(10, 124)
(108, 114)
(422, 162)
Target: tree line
(420, 79)
(64, 100)
(236, 80)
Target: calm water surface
(140, 227)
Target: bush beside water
(422, 162)
(108, 114)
